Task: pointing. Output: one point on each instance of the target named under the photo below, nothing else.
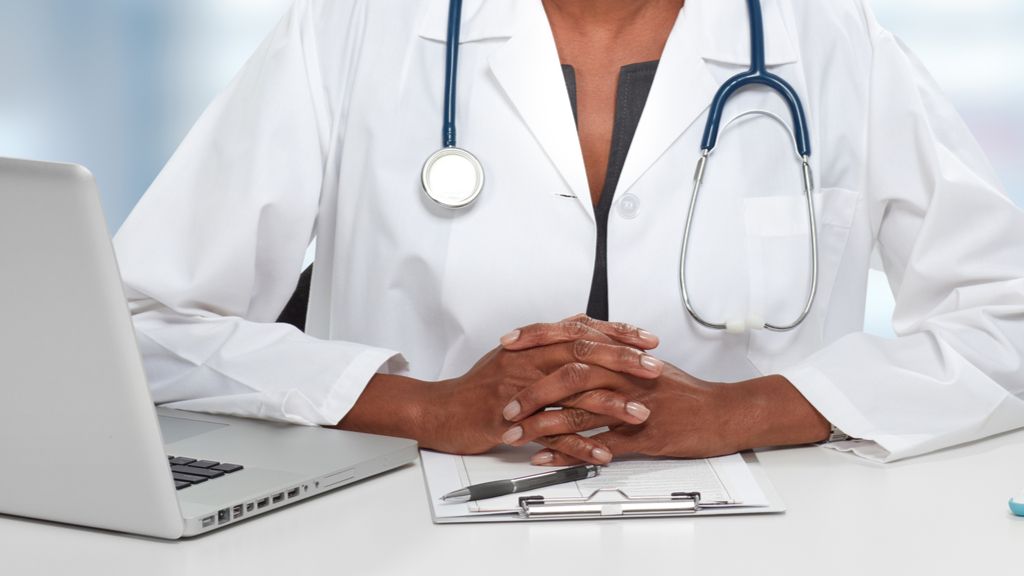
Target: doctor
(586, 118)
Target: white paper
(722, 480)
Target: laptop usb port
(236, 512)
(278, 497)
(263, 503)
(293, 492)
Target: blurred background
(116, 84)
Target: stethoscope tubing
(452, 177)
(451, 72)
(756, 74)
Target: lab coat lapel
(724, 33)
(481, 20)
(706, 30)
(529, 71)
(682, 90)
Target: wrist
(777, 414)
(391, 406)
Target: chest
(601, 60)
(455, 281)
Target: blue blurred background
(116, 84)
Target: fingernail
(511, 410)
(647, 336)
(542, 458)
(512, 434)
(601, 455)
(638, 411)
(651, 363)
(511, 337)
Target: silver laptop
(80, 440)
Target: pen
(524, 484)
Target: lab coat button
(629, 206)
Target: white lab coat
(323, 134)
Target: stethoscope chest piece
(452, 177)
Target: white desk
(940, 514)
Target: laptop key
(189, 471)
(228, 468)
(197, 471)
(179, 477)
(203, 464)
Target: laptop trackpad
(178, 429)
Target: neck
(608, 16)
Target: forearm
(239, 367)
(774, 413)
(922, 391)
(392, 406)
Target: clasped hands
(549, 383)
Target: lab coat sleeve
(213, 251)
(952, 244)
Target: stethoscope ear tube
(736, 326)
(757, 74)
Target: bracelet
(835, 434)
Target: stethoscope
(757, 74)
(453, 177)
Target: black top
(635, 82)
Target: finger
(609, 403)
(620, 332)
(614, 357)
(567, 382)
(553, 458)
(537, 335)
(622, 440)
(554, 423)
(572, 446)
(576, 328)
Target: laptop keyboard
(189, 471)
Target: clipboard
(600, 504)
(608, 502)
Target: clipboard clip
(609, 502)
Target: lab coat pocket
(779, 257)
